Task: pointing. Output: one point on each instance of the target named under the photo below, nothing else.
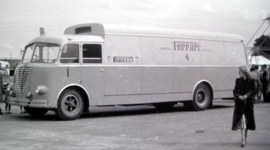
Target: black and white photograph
(134, 75)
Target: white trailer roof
(110, 29)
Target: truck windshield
(41, 53)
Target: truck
(98, 65)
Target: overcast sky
(20, 20)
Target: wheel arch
(208, 84)
(82, 91)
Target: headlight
(41, 89)
(28, 95)
(10, 87)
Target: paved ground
(135, 128)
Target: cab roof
(61, 39)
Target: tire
(202, 98)
(70, 105)
(163, 106)
(36, 112)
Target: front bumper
(25, 102)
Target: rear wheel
(202, 98)
(70, 105)
(36, 112)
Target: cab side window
(70, 54)
(92, 53)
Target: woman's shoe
(243, 143)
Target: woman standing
(244, 92)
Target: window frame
(79, 54)
(25, 50)
(36, 49)
(93, 63)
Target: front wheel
(202, 98)
(70, 105)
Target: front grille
(22, 77)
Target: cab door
(70, 68)
(93, 71)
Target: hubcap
(71, 103)
(201, 97)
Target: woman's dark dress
(244, 87)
